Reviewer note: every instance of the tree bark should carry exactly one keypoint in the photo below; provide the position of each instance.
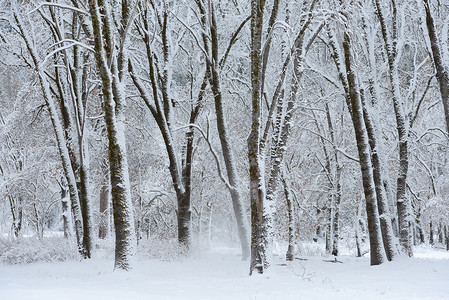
(376, 243)
(382, 202)
(59, 133)
(431, 239)
(441, 69)
(113, 95)
(290, 255)
(336, 184)
(214, 80)
(104, 212)
(390, 45)
(257, 182)
(349, 81)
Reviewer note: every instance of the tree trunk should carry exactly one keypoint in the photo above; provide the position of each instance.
(336, 184)
(376, 243)
(104, 212)
(240, 216)
(392, 206)
(446, 235)
(290, 255)
(336, 220)
(349, 80)
(441, 69)
(401, 126)
(257, 182)
(125, 241)
(65, 212)
(440, 233)
(59, 133)
(431, 240)
(382, 203)
(419, 226)
(358, 239)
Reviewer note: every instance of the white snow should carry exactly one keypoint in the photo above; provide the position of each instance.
(220, 274)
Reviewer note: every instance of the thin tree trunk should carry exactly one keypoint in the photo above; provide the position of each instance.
(104, 212)
(392, 206)
(290, 255)
(237, 203)
(420, 227)
(59, 133)
(65, 212)
(358, 240)
(446, 234)
(349, 80)
(431, 239)
(440, 233)
(337, 185)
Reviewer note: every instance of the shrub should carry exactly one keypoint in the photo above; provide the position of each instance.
(29, 250)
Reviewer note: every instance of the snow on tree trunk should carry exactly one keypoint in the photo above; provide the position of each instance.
(59, 132)
(382, 203)
(392, 206)
(114, 98)
(256, 170)
(349, 80)
(290, 255)
(403, 203)
(237, 204)
(65, 212)
(159, 102)
(376, 244)
(441, 69)
(104, 212)
(337, 184)
(233, 179)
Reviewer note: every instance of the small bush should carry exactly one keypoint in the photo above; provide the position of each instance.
(162, 249)
(29, 250)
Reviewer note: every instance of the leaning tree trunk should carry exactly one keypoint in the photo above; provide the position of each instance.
(233, 179)
(382, 202)
(441, 69)
(349, 81)
(403, 203)
(59, 132)
(374, 230)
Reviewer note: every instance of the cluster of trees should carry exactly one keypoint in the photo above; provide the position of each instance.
(301, 118)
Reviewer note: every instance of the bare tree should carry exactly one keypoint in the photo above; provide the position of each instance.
(391, 49)
(112, 61)
(437, 54)
(353, 100)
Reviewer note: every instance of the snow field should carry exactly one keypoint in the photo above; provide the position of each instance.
(220, 274)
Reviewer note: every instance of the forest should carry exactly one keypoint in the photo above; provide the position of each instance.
(157, 129)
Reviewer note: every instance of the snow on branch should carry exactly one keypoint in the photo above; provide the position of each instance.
(217, 161)
(63, 6)
(72, 43)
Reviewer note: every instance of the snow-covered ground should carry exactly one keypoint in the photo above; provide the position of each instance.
(220, 274)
